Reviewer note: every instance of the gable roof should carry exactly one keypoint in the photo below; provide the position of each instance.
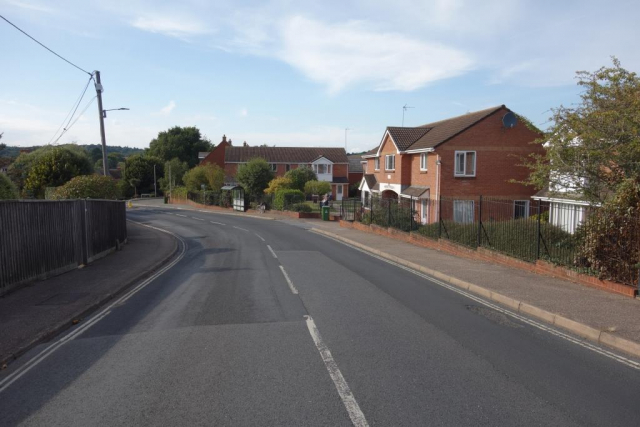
(444, 130)
(285, 154)
(405, 137)
(433, 134)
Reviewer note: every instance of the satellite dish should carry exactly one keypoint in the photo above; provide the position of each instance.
(509, 120)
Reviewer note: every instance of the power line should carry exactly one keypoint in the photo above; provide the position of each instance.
(23, 32)
(77, 118)
(74, 108)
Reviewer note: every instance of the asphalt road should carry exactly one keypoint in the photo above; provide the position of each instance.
(225, 338)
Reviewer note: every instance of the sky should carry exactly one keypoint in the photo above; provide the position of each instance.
(296, 73)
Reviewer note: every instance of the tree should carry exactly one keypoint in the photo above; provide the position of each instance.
(594, 147)
(212, 176)
(183, 143)
(112, 161)
(254, 176)
(54, 168)
(278, 184)
(317, 187)
(140, 167)
(88, 186)
(7, 188)
(300, 176)
(174, 169)
(95, 154)
(20, 168)
(2, 146)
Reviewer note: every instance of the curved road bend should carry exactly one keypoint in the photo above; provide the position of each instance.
(225, 338)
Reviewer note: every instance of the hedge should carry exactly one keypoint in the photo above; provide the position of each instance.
(286, 197)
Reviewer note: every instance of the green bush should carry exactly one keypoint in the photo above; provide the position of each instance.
(225, 199)
(88, 187)
(287, 197)
(300, 207)
(317, 187)
(7, 189)
(179, 192)
(517, 238)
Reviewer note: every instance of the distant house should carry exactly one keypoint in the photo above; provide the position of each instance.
(329, 163)
(462, 158)
(355, 169)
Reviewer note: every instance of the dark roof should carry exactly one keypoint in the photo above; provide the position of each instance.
(340, 180)
(355, 166)
(414, 191)
(548, 194)
(370, 180)
(203, 154)
(285, 154)
(444, 130)
(371, 152)
(405, 137)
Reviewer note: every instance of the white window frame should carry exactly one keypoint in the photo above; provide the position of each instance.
(287, 167)
(376, 163)
(338, 189)
(274, 167)
(526, 208)
(423, 161)
(386, 162)
(462, 215)
(464, 173)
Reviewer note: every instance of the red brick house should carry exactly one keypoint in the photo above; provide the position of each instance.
(462, 158)
(329, 163)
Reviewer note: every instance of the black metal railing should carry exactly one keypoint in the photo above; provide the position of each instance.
(526, 229)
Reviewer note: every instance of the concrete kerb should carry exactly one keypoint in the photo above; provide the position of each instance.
(572, 326)
(62, 326)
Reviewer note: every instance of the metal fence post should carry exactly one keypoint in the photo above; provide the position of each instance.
(480, 222)
(538, 227)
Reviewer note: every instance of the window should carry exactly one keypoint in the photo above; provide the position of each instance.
(366, 198)
(339, 187)
(463, 211)
(274, 167)
(322, 168)
(423, 161)
(465, 163)
(390, 162)
(520, 209)
(376, 163)
(287, 168)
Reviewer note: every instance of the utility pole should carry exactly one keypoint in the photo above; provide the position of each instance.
(169, 179)
(99, 91)
(155, 183)
(345, 138)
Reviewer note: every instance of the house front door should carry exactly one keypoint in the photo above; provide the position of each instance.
(339, 192)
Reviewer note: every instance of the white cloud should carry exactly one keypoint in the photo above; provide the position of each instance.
(244, 112)
(170, 26)
(29, 6)
(166, 110)
(344, 54)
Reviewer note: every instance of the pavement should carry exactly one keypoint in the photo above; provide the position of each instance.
(33, 314)
(597, 315)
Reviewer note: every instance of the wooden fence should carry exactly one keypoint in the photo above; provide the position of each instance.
(41, 238)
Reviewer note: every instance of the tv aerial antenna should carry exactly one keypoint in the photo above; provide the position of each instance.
(404, 109)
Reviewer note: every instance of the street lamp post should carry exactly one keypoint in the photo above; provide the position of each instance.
(104, 112)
